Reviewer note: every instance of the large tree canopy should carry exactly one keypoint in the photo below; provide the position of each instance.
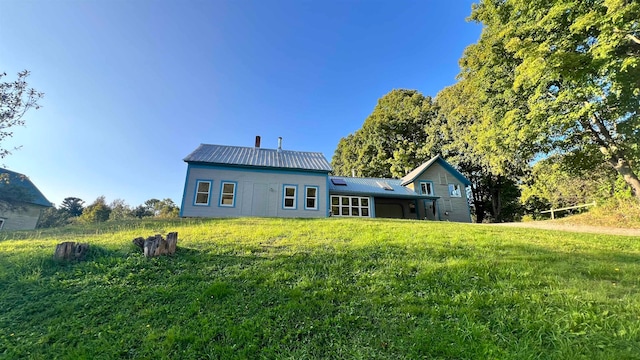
(392, 140)
(558, 75)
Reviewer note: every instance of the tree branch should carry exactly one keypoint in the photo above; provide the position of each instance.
(633, 38)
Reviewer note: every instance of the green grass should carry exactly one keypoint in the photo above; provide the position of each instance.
(328, 288)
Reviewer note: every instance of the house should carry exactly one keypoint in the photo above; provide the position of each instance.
(21, 203)
(233, 181)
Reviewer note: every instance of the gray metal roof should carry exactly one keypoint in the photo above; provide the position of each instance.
(415, 173)
(22, 186)
(371, 187)
(259, 157)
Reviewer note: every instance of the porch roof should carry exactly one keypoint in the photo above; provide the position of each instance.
(376, 187)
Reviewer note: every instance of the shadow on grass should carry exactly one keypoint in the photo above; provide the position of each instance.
(446, 300)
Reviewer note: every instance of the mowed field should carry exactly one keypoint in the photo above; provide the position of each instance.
(327, 288)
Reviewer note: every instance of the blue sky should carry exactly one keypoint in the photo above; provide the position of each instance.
(132, 87)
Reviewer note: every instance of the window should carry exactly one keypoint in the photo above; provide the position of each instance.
(228, 194)
(289, 199)
(384, 185)
(311, 198)
(350, 206)
(1, 223)
(339, 182)
(454, 190)
(426, 188)
(203, 189)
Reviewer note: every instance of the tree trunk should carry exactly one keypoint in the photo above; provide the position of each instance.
(496, 198)
(623, 168)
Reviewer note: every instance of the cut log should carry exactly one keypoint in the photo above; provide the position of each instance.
(172, 242)
(139, 242)
(70, 250)
(157, 245)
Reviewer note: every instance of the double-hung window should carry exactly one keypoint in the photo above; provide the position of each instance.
(454, 190)
(426, 188)
(203, 192)
(311, 198)
(290, 197)
(228, 194)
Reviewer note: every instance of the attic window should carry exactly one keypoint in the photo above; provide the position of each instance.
(339, 182)
(384, 185)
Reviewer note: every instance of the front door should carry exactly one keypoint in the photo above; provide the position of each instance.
(260, 200)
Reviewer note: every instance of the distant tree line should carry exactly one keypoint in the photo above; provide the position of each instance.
(545, 112)
(72, 210)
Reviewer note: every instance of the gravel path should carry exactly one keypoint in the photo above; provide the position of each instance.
(551, 225)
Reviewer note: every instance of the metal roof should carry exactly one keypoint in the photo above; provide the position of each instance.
(32, 195)
(415, 173)
(259, 157)
(373, 187)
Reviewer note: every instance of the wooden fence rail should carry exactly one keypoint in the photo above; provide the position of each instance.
(566, 208)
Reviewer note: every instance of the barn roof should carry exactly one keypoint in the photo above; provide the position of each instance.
(10, 178)
(259, 157)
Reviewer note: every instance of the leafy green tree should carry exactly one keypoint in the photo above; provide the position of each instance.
(141, 211)
(556, 182)
(73, 206)
(167, 209)
(98, 211)
(120, 210)
(557, 76)
(494, 194)
(15, 99)
(392, 140)
(53, 217)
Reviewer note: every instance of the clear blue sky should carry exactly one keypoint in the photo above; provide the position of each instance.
(132, 87)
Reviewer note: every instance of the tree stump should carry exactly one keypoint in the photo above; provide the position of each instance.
(172, 242)
(70, 250)
(157, 245)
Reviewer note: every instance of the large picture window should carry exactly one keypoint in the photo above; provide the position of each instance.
(311, 198)
(203, 192)
(350, 206)
(228, 194)
(290, 196)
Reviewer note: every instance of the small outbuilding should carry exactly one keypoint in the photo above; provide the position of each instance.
(21, 203)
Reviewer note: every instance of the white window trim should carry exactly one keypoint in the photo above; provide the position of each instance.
(433, 193)
(453, 192)
(195, 199)
(360, 206)
(307, 197)
(233, 194)
(294, 197)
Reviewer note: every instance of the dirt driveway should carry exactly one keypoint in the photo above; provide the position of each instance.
(551, 225)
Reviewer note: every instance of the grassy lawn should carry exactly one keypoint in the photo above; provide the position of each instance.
(328, 288)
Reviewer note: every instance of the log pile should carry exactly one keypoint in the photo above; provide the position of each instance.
(70, 250)
(157, 245)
